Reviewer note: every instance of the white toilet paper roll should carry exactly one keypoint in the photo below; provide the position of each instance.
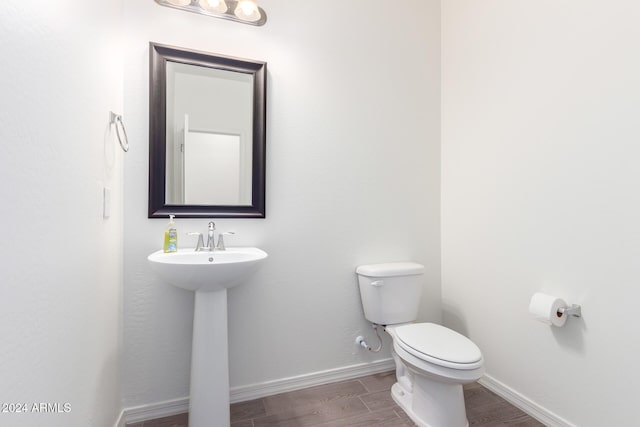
(545, 309)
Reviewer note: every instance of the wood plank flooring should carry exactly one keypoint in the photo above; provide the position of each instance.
(361, 402)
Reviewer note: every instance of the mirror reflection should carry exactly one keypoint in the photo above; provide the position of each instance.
(207, 135)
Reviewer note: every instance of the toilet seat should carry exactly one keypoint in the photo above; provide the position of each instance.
(438, 345)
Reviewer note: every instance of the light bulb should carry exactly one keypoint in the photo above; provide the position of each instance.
(218, 6)
(179, 2)
(247, 10)
(247, 7)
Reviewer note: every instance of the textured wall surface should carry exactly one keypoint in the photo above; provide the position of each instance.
(61, 262)
(540, 177)
(539, 149)
(352, 178)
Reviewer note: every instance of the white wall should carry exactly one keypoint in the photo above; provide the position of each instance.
(539, 193)
(352, 178)
(61, 287)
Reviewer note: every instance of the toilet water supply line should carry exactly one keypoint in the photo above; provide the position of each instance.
(362, 343)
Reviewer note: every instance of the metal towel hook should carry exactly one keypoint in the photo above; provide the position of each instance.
(116, 119)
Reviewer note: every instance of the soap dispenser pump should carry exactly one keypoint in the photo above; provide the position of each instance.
(171, 236)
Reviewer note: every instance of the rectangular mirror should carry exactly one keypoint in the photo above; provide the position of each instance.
(207, 135)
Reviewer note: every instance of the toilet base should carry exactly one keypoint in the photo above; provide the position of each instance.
(431, 395)
(441, 406)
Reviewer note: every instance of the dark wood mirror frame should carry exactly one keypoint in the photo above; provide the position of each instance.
(158, 208)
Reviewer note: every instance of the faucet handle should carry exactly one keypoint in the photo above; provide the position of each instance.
(220, 246)
(200, 243)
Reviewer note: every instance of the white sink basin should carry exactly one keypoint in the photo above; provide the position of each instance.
(206, 271)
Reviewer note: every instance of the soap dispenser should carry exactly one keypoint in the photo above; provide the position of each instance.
(171, 236)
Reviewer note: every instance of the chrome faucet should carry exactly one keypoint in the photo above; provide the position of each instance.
(211, 244)
(210, 239)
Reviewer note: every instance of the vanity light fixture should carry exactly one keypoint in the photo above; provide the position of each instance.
(244, 11)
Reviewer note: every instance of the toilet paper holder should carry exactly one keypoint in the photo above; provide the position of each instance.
(574, 310)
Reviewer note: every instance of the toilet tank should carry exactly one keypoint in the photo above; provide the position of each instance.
(390, 292)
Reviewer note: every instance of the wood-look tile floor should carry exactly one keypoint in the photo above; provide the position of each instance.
(361, 402)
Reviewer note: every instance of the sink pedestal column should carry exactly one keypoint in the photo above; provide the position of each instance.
(209, 400)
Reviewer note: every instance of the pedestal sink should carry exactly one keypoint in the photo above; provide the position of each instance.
(209, 274)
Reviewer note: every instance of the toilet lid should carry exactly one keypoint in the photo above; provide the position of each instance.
(439, 343)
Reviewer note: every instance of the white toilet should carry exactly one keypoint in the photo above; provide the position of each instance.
(432, 362)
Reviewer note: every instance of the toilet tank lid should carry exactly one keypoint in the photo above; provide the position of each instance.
(391, 269)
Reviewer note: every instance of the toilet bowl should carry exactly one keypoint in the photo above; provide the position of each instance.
(432, 361)
(432, 364)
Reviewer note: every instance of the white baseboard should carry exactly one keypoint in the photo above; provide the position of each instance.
(255, 391)
(152, 411)
(543, 415)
